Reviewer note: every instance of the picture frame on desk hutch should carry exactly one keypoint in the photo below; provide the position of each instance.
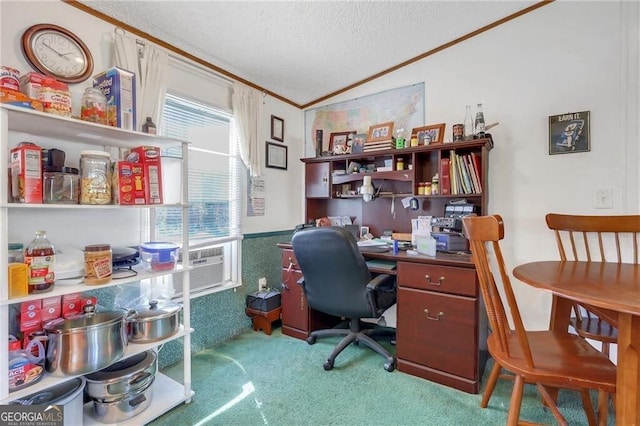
(339, 142)
(380, 132)
(429, 135)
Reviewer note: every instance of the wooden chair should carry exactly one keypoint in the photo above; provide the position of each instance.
(549, 359)
(596, 238)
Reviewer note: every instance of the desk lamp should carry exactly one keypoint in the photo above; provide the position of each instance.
(367, 189)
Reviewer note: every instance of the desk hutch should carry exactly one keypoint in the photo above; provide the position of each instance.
(441, 320)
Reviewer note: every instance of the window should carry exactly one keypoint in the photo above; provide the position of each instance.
(215, 201)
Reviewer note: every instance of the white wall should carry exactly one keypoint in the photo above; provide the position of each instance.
(567, 56)
(17, 16)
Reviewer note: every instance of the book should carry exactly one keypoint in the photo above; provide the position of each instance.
(475, 160)
(445, 180)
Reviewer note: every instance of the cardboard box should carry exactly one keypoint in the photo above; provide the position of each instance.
(149, 157)
(71, 304)
(128, 183)
(30, 84)
(26, 173)
(51, 308)
(30, 320)
(15, 98)
(30, 306)
(119, 86)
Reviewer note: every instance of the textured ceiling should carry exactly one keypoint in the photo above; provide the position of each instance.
(305, 50)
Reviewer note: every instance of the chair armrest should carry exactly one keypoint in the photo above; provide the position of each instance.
(379, 281)
(381, 293)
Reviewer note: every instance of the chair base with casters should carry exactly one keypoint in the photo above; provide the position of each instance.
(354, 334)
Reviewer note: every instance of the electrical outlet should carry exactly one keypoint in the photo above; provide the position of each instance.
(603, 198)
(262, 284)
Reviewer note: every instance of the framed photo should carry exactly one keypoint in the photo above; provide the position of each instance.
(357, 144)
(276, 156)
(428, 135)
(380, 132)
(277, 128)
(364, 230)
(569, 133)
(339, 143)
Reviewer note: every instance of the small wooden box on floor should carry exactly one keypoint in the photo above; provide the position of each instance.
(263, 320)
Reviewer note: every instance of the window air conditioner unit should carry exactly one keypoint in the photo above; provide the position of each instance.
(207, 272)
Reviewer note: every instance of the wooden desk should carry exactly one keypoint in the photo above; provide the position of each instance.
(610, 286)
(441, 328)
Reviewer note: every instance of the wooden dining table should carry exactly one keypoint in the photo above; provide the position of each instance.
(612, 287)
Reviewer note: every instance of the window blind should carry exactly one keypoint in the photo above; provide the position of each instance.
(215, 171)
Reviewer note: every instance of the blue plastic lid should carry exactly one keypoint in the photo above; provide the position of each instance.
(164, 249)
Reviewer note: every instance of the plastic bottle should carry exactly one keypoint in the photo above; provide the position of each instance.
(468, 124)
(479, 122)
(435, 188)
(25, 368)
(149, 127)
(94, 106)
(40, 255)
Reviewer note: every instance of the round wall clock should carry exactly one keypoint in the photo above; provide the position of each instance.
(57, 52)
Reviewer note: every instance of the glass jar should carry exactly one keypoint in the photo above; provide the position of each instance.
(16, 252)
(427, 188)
(399, 164)
(40, 255)
(420, 188)
(97, 264)
(435, 187)
(94, 106)
(61, 187)
(95, 171)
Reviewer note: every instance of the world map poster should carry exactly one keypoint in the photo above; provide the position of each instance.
(404, 106)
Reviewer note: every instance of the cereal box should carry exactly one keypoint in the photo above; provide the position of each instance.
(149, 157)
(13, 97)
(128, 183)
(30, 84)
(9, 78)
(26, 173)
(119, 87)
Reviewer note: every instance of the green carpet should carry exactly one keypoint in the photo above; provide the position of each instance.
(255, 379)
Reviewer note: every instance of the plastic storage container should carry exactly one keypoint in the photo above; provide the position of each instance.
(61, 187)
(159, 256)
(16, 252)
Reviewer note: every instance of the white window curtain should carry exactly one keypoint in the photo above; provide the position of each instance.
(247, 112)
(149, 63)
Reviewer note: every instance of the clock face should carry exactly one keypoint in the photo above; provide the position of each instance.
(57, 52)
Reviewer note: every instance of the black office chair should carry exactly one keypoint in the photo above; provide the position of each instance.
(336, 281)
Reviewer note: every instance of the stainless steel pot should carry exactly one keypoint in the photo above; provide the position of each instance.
(124, 408)
(68, 394)
(123, 377)
(155, 322)
(85, 343)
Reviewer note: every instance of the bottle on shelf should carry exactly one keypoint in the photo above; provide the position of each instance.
(149, 127)
(468, 124)
(40, 255)
(479, 122)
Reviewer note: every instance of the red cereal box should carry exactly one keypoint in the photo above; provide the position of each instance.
(9, 78)
(26, 173)
(30, 319)
(128, 183)
(149, 157)
(119, 87)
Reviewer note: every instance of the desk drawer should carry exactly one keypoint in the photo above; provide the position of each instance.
(445, 279)
(289, 258)
(438, 331)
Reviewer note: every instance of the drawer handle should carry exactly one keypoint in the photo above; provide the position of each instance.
(325, 179)
(436, 318)
(428, 278)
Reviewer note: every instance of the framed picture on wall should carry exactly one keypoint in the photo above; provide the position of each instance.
(569, 133)
(276, 156)
(277, 128)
